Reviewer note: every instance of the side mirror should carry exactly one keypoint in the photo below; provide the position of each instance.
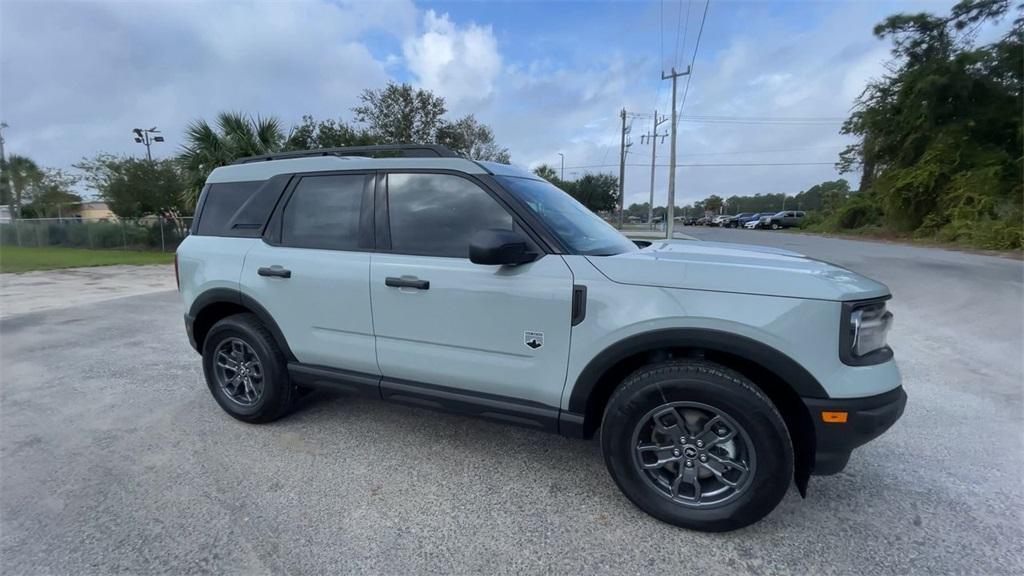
(501, 247)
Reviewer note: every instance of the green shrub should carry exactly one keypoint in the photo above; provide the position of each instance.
(857, 214)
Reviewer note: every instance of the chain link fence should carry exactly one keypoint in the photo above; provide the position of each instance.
(147, 233)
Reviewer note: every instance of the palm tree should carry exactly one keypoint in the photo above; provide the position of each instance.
(22, 173)
(236, 136)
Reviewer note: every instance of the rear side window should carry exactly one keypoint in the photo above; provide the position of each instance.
(222, 201)
(323, 212)
(436, 214)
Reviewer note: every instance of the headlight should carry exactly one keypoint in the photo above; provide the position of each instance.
(864, 330)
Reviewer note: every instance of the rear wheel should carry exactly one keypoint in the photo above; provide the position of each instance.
(697, 445)
(246, 371)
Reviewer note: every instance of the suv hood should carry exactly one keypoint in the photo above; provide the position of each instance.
(742, 268)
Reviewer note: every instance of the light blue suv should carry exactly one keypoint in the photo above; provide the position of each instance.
(716, 374)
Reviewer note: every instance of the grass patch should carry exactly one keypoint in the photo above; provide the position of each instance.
(15, 259)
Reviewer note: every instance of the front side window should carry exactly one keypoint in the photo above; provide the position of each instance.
(576, 226)
(323, 212)
(436, 214)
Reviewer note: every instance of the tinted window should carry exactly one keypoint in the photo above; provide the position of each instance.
(323, 212)
(577, 227)
(435, 214)
(221, 202)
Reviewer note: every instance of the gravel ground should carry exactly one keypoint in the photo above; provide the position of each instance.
(49, 289)
(114, 459)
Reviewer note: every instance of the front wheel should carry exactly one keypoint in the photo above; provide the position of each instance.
(697, 445)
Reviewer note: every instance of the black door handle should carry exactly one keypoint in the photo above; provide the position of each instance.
(274, 271)
(407, 283)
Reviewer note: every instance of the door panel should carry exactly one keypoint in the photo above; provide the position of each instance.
(310, 272)
(469, 329)
(323, 308)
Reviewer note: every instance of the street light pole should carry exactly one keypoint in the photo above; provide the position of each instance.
(143, 137)
(561, 175)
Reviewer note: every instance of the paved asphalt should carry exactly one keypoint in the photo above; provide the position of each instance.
(114, 459)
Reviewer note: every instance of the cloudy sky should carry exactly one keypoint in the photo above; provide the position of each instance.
(771, 81)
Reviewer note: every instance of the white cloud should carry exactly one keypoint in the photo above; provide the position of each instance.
(460, 64)
(75, 77)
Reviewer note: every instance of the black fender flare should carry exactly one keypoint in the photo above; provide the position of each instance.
(216, 296)
(782, 366)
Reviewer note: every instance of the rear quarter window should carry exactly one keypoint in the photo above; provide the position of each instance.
(220, 203)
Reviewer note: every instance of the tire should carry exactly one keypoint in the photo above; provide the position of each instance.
(775, 226)
(275, 390)
(755, 438)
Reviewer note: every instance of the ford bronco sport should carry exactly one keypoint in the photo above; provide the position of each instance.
(716, 374)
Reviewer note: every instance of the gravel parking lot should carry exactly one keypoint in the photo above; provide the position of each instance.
(114, 459)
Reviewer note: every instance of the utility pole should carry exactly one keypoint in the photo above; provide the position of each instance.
(670, 210)
(4, 181)
(654, 154)
(622, 167)
(561, 175)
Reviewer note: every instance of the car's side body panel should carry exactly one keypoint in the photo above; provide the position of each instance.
(473, 328)
(323, 308)
(805, 331)
(208, 263)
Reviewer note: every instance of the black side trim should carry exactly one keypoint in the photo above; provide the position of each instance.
(579, 303)
(784, 367)
(490, 406)
(334, 379)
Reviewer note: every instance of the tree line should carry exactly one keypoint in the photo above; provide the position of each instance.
(134, 187)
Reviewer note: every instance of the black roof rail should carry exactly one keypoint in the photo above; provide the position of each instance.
(405, 150)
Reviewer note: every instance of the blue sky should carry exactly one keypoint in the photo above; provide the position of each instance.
(549, 77)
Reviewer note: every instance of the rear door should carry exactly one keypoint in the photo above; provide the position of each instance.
(442, 321)
(311, 270)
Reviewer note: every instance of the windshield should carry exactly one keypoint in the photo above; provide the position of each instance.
(577, 227)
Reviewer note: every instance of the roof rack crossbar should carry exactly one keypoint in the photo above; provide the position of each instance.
(406, 150)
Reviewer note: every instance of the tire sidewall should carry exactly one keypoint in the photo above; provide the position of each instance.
(767, 432)
(275, 379)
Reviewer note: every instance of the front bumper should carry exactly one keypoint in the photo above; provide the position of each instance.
(865, 419)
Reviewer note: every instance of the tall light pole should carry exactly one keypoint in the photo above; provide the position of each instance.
(562, 173)
(143, 137)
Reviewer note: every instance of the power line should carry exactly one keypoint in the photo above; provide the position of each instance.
(700, 32)
(712, 165)
(759, 151)
(779, 121)
(686, 28)
(729, 117)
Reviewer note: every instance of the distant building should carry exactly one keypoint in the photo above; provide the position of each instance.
(95, 211)
(5, 214)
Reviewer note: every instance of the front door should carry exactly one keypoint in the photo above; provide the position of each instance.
(443, 321)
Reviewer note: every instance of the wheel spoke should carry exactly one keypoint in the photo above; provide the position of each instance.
(723, 468)
(225, 361)
(674, 429)
(663, 454)
(715, 432)
(687, 475)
